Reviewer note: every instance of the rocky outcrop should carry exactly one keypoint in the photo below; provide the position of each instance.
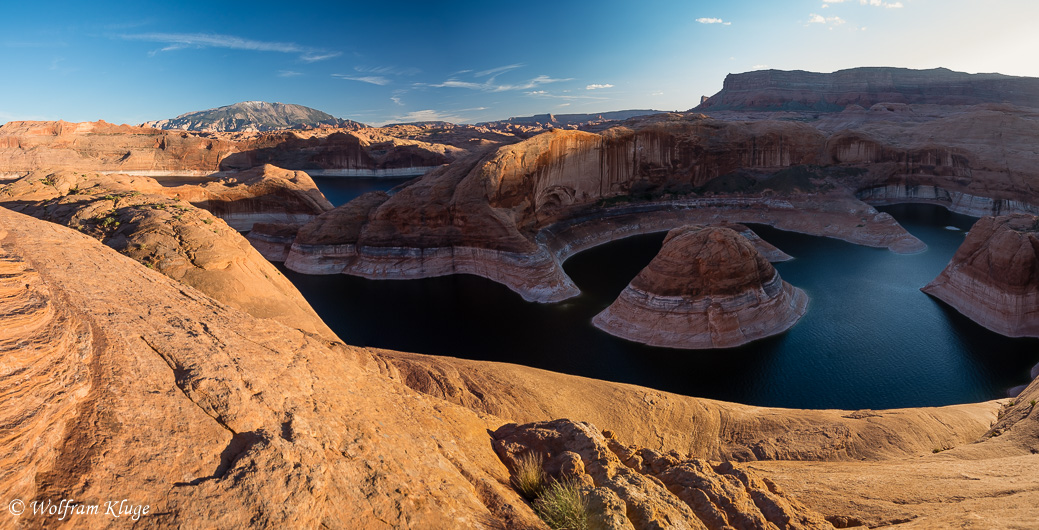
(707, 288)
(993, 278)
(253, 116)
(637, 488)
(799, 90)
(137, 217)
(265, 194)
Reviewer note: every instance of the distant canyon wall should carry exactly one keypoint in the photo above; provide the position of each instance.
(801, 90)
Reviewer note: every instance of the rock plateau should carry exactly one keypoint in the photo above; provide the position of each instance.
(706, 288)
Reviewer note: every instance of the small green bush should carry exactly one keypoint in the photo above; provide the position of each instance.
(563, 506)
(530, 477)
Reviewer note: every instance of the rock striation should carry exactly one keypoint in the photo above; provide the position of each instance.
(706, 288)
(993, 278)
(799, 90)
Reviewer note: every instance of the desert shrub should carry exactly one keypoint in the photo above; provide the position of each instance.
(530, 477)
(563, 506)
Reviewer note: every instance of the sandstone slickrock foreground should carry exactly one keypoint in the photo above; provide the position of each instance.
(121, 383)
(159, 228)
(993, 278)
(708, 287)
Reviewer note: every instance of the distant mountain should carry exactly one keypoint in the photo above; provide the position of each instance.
(253, 116)
(564, 120)
(799, 90)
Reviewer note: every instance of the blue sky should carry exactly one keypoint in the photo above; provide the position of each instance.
(379, 62)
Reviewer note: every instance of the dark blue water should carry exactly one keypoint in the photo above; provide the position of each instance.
(870, 338)
(341, 190)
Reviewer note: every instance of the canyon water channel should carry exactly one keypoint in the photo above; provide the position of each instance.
(870, 338)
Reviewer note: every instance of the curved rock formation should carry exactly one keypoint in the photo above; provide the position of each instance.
(514, 215)
(706, 288)
(993, 278)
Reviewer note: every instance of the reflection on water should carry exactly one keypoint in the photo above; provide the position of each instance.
(870, 338)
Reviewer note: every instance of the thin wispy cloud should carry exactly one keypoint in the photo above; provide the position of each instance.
(598, 86)
(491, 86)
(288, 73)
(318, 56)
(759, 67)
(712, 20)
(496, 71)
(179, 41)
(370, 79)
(388, 70)
(396, 99)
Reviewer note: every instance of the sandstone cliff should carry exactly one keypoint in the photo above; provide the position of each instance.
(800, 90)
(706, 288)
(515, 214)
(994, 277)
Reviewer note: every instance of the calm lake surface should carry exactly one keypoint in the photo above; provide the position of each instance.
(870, 338)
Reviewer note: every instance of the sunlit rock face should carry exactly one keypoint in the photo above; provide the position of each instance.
(994, 277)
(707, 288)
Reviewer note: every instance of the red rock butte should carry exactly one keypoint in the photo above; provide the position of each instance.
(994, 277)
(707, 288)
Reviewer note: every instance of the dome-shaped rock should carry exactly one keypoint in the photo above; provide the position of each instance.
(707, 288)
